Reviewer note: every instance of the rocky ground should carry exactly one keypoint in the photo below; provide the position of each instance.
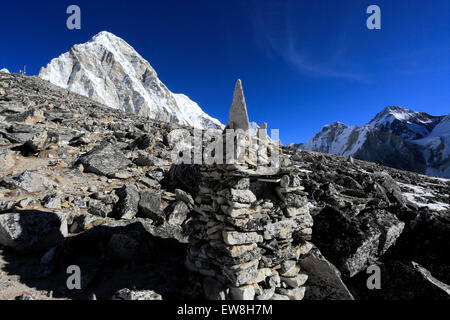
(83, 184)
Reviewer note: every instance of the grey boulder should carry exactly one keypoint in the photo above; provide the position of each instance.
(324, 281)
(150, 206)
(104, 160)
(127, 294)
(30, 181)
(127, 206)
(353, 243)
(32, 230)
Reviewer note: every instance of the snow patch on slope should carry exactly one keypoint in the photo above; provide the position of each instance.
(422, 197)
(194, 115)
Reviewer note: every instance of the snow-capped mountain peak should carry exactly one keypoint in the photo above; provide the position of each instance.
(404, 122)
(392, 113)
(396, 137)
(337, 138)
(107, 69)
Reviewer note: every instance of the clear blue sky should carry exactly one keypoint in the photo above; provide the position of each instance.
(303, 64)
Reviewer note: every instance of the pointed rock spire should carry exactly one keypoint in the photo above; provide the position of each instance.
(238, 118)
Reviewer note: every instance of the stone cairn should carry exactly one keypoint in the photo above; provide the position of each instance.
(251, 223)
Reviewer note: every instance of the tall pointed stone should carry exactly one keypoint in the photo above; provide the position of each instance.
(238, 118)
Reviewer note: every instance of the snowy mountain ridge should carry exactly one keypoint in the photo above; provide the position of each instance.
(108, 70)
(396, 137)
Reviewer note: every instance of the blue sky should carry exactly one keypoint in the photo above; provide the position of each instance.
(303, 64)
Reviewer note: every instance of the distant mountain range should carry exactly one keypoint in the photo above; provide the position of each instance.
(108, 70)
(396, 137)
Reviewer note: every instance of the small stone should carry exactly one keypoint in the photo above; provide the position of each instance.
(236, 238)
(150, 206)
(127, 294)
(97, 208)
(37, 142)
(274, 281)
(284, 182)
(236, 251)
(127, 206)
(104, 160)
(243, 293)
(288, 265)
(241, 184)
(292, 272)
(241, 273)
(145, 159)
(260, 276)
(24, 203)
(241, 196)
(122, 175)
(156, 174)
(277, 296)
(6, 206)
(293, 294)
(80, 202)
(292, 212)
(150, 183)
(296, 281)
(184, 196)
(52, 201)
(6, 160)
(84, 222)
(304, 248)
(266, 294)
(179, 214)
(24, 296)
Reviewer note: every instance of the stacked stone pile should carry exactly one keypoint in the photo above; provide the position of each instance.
(247, 245)
(250, 228)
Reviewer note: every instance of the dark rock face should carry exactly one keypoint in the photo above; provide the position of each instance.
(324, 282)
(183, 176)
(104, 160)
(123, 247)
(403, 281)
(426, 240)
(392, 151)
(354, 242)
